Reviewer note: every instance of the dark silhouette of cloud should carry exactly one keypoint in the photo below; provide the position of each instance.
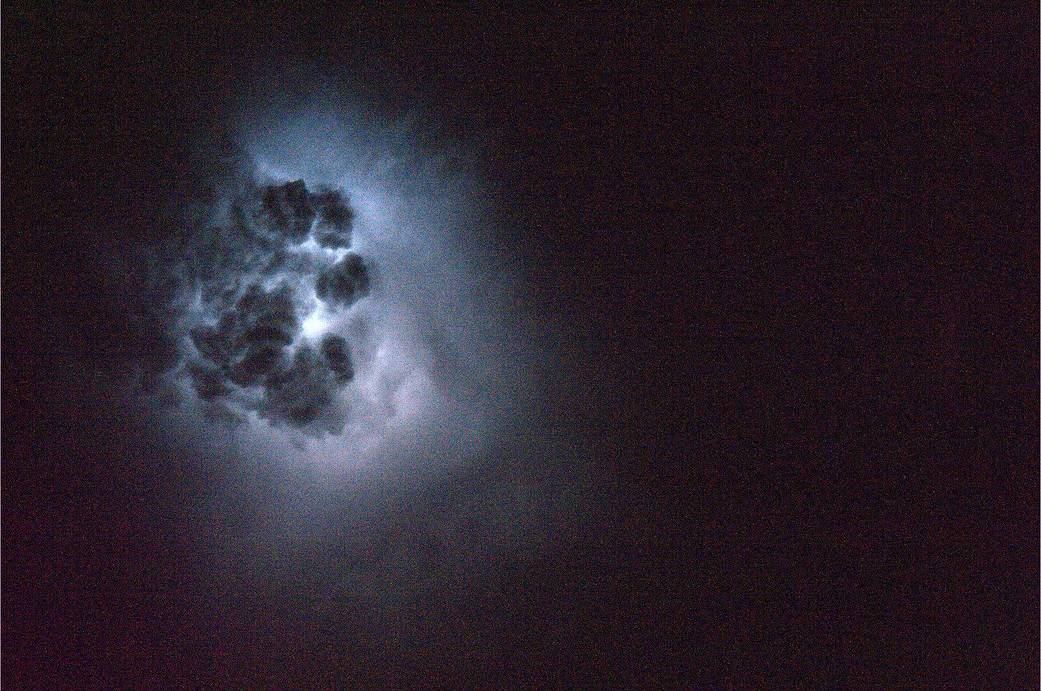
(288, 209)
(246, 286)
(345, 282)
(337, 357)
(335, 220)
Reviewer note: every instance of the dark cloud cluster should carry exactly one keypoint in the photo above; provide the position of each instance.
(249, 342)
(345, 282)
(335, 219)
(288, 209)
(302, 393)
(289, 212)
(338, 357)
(254, 281)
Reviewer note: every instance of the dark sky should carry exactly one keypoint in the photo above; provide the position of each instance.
(780, 272)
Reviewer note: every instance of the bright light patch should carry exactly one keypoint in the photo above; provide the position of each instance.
(315, 324)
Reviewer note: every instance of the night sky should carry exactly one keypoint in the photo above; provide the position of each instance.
(614, 347)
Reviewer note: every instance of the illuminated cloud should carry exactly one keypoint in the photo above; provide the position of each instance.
(268, 276)
(333, 304)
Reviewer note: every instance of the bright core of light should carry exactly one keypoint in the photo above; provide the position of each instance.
(315, 324)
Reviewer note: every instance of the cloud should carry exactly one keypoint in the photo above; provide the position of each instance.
(345, 282)
(374, 406)
(303, 395)
(288, 210)
(391, 331)
(335, 219)
(337, 357)
(261, 256)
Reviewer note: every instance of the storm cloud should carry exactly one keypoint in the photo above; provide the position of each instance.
(345, 282)
(372, 386)
(262, 258)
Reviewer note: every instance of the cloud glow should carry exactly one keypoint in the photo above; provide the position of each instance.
(427, 343)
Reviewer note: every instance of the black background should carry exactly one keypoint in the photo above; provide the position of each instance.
(807, 243)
